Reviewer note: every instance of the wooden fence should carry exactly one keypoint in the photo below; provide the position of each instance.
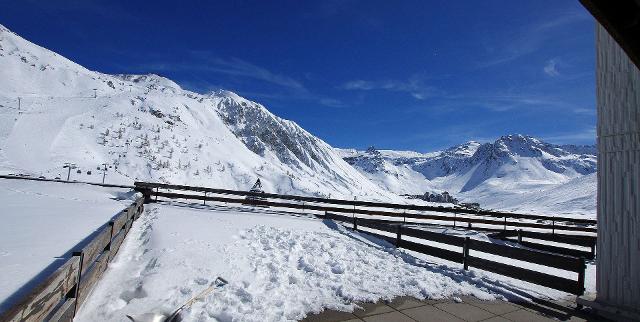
(562, 262)
(578, 222)
(62, 293)
(568, 231)
(399, 226)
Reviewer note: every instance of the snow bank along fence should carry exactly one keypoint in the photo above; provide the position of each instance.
(62, 293)
(576, 265)
(570, 236)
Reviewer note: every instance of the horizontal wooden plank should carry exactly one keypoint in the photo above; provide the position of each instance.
(65, 312)
(119, 221)
(558, 250)
(148, 185)
(577, 240)
(45, 297)
(391, 240)
(558, 261)
(95, 247)
(376, 225)
(91, 277)
(432, 251)
(109, 185)
(551, 281)
(433, 236)
(336, 217)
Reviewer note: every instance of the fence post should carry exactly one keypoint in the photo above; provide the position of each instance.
(157, 194)
(77, 287)
(469, 225)
(505, 223)
(454, 219)
(204, 201)
(398, 235)
(581, 275)
(465, 253)
(519, 236)
(355, 223)
(553, 227)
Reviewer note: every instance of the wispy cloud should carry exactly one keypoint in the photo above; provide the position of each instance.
(529, 39)
(232, 66)
(413, 86)
(584, 136)
(550, 68)
(236, 67)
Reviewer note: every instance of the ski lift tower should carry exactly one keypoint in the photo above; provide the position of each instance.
(69, 166)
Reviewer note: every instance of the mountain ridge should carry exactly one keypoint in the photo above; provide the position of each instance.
(512, 167)
(146, 127)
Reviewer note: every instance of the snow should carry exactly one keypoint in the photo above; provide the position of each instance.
(280, 267)
(42, 223)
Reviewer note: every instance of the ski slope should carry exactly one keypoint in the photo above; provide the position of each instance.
(146, 127)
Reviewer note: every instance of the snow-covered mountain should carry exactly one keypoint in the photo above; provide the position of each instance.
(146, 127)
(508, 174)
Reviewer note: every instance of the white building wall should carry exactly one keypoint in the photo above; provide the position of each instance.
(618, 105)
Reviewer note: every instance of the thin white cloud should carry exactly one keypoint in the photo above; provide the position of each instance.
(204, 62)
(530, 38)
(413, 86)
(584, 136)
(551, 68)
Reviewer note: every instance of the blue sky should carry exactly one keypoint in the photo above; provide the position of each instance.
(417, 75)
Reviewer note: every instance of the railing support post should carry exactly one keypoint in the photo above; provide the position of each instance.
(519, 236)
(204, 201)
(454, 219)
(505, 223)
(581, 276)
(77, 287)
(465, 254)
(398, 235)
(355, 223)
(553, 227)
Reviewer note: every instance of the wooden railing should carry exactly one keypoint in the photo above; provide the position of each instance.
(62, 293)
(579, 222)
(463, 256)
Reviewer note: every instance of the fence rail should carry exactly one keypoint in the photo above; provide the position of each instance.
(562, 262)
(61, 294)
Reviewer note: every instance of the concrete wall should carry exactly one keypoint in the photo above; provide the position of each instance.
(618, 105)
